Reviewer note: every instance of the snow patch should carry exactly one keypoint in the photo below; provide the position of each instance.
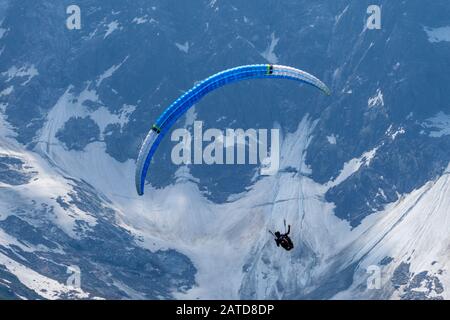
(8, 241)
(332, 139)
(111, 27)
(183, 47)
(191, 116)
(408, 230)
(381, 193)
(353, 166)
(3, 32)
(103, 117)
(440, 125)
(7, 91)
(436, 35)
(144, 19)
(140, 20)
(338, 17)
(25, 71)
(69, 106)
(43, 190)
(45, 287)
(108, 73)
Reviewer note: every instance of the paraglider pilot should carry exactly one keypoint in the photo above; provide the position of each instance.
(283, 240)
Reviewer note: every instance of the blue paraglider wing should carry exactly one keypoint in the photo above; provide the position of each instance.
(188, 99)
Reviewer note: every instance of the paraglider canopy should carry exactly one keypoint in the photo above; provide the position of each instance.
(188, 99)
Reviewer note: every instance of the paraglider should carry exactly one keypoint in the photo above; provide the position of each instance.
(283, 240)
(188, 99)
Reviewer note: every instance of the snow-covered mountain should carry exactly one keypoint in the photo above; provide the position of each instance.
(364, 177)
